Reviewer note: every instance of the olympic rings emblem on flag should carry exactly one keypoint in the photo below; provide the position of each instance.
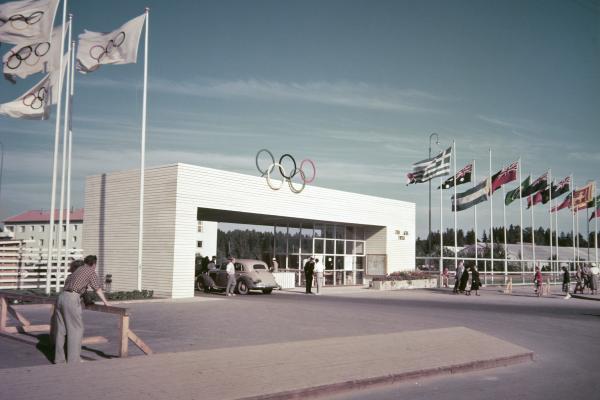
(296, 171)
(21, 22)
(35, 100)
(33, 53)
(97, 52)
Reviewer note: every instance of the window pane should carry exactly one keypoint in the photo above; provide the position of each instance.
(294, 240)
(359, 277)
(349, 232)
(280, 240)
(294, 262)
(339, 247)
(307, 239)
(349, 247)
(340, 231)
(318, 246)
(360, 263)
(360, 248)
(360, 233)
(339, 262)
(329, 231)
(319, 231)
(328, 262)
(329, 246)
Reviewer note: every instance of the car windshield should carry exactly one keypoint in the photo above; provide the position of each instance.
(259, 266)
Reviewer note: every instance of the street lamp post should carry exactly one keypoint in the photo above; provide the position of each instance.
(437, 141)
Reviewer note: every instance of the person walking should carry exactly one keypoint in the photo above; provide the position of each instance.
(537, 281)
(595, 271)
(464, 280)
(309, 269)
(459, 270)
(230, 269)
(68, 315)
(319, 271)
(275, 265)
(579, 282)
(566, 283)
(445, 277)
(475, 282)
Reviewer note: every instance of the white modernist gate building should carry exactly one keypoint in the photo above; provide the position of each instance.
(177, 196)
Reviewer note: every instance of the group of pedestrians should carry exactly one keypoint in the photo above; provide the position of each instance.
(461, 280)
(313, 270)
(586, 277)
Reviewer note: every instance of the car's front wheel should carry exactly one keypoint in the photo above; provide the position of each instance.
(242, 287)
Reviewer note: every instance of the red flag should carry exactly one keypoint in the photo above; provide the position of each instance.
(504, 176)
(595, 214)
(582, 196)
(566, 203)
(535, 199)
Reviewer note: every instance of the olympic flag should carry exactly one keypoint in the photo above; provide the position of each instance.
(27, 20)
(36, 102)
(33, 57)
(117, 47)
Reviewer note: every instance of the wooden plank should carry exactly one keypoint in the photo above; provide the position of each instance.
(27, 329)
(21, 338)
(124, 330)
(139, 342)
(94, 340)
(18, 316)
(108, 309)
(27, 297)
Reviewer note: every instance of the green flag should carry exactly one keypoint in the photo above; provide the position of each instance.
(515, 194)
(592, 203)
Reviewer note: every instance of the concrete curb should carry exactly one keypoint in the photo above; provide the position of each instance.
(336, 388)
(585, 297)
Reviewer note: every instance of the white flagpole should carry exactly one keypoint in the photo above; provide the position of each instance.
(143, 155)
(474, 180)
(573, 222)
(455, 210)
(63, 170)
(532, 230)
(491, 217)
(550, 206)
(556, 237)
(441, 225)
(596, 223)
(69, 154)
(577, 233)
(505, 241)
(56, 143)
(521, 215)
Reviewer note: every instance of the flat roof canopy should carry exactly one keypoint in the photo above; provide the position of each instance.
(236, 217)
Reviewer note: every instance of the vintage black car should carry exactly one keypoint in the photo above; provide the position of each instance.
(249, 274)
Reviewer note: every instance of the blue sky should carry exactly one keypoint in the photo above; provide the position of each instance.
(357, 86)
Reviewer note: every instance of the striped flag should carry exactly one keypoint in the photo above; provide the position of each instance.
(504, 176)
(430, 168)
(473, 196)
(565, 203)
(462, 176)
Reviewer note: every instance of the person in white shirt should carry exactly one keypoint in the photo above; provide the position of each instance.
(230, 277)
(319, 270)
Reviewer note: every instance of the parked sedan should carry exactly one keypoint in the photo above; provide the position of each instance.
(249, 274)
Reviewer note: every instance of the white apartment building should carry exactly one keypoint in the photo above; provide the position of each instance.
(33, 226)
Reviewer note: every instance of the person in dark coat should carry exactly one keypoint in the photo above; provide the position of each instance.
(464, 279)
(309, 270)
(566, 283)
(475, 282)
(457, 275)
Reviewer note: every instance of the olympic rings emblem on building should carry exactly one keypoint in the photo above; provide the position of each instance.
(296, 171)
(21, 22)
(30, 55)
(36, 99)
(97, 52)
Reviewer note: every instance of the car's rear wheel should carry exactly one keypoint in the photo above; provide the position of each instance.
(267, 291)
(199, 284)
(242, 287)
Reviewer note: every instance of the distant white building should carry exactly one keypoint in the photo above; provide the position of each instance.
(206, 238)
(33, 226)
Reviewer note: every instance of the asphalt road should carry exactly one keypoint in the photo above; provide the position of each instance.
(564, 334)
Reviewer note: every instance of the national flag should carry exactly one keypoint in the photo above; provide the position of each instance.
(537, 185)
(505, 175)
(33, 57)
(462, 176)
(564, 186)
(473, 196)
(36, 102)
(117, 47)
(543, 196)
(581, 197)
(565, 203)
(516, 193)
(430, 168)
(595, 214)
(27, 20)
(593, 202)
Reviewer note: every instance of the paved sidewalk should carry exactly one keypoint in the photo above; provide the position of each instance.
(272, 371)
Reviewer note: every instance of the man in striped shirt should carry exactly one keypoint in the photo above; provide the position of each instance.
(68, 317)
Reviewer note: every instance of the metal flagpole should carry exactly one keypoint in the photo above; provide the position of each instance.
(587, 222)
(550, 205)
(505, 241)
(532, 230)
(143, 155)
(441, 225)
(56, 143)
(556, 237)
(69, 122)
(596, 224)
(63, 170)
(573, 222)
(474, 179)
(455, 210)
(491, 218)
(521, 215)
(577, 234)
